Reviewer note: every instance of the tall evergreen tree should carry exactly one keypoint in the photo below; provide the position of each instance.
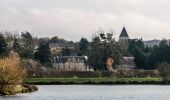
(28, 45)
(150, 57)
(43, 53)
(135, 43)
(83, 47)
(3, 46)
(66, 52)
(26, 35)
(140, 58)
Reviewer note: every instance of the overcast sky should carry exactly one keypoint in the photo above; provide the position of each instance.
(73, 19)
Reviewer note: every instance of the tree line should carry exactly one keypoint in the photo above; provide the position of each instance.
(149, 57)
(102, 47)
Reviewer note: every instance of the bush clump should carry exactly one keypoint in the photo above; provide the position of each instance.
(29, 88)
(11, 74)
(130, 73)
(119, 73)
(164, 70)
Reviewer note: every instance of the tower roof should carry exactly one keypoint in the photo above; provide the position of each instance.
(124, 33)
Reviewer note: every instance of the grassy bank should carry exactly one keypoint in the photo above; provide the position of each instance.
(47, 81)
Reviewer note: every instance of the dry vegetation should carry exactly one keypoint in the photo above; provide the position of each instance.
(12, 74)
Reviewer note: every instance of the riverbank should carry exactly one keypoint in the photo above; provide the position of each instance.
(57, 81)
(14, 89)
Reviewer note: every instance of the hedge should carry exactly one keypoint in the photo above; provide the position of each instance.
(93, 74)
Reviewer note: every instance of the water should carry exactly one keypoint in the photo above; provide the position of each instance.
(96, 92)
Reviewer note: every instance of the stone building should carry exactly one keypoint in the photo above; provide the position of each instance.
(126, 60)
(124, 41)
(71, 63)
(127, 63)
(56, 48)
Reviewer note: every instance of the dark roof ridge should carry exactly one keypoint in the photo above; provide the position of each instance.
(124, 33)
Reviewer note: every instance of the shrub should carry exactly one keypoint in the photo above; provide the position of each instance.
(120, 73)
(164, 70)
(29, 88)
(129, 73)
(11, 74)
(63, 74)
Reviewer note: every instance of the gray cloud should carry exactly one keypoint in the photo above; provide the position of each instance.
(73, 19)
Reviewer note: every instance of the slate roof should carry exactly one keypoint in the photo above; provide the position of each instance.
(124, 33)
(128, 61)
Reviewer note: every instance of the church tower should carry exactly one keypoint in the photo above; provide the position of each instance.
(124, 40)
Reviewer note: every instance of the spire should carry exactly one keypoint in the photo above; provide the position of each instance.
(124, 33)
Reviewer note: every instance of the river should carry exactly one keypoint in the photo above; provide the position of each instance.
(95, 92)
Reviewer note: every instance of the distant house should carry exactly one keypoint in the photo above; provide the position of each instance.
(151, 43)
(62, 45)
(127, 62)
(56, 48)
(71, 63)
(154, 42)
(67, 63)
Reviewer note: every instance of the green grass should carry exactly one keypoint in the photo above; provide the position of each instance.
(93, 81)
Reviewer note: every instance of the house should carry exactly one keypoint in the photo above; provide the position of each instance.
(67, 63)
(71, 63)
(127, 63)
(151, 43)
(56, 48)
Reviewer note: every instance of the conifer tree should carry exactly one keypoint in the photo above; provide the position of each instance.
(43, 53)
(3, 46)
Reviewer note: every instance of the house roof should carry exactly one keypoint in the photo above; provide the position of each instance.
(124, 33)
(61, 45)
(128, 61)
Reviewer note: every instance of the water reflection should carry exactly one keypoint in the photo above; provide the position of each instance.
(96, 92)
